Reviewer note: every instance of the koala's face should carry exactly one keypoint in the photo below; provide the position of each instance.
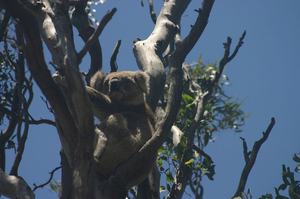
(126, 86)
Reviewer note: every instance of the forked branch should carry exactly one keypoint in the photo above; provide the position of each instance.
(251, 160)
(96, 34)
(48, 181)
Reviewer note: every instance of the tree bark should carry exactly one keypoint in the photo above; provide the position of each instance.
(15, 187)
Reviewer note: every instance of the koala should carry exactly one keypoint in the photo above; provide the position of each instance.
(126, 121)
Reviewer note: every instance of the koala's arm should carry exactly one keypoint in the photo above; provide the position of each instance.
(101, 104)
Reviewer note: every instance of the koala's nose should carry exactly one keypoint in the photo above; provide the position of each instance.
(114, 84)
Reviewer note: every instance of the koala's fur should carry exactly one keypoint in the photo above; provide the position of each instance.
(127, 122)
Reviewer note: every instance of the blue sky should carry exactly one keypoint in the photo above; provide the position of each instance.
(265, 71)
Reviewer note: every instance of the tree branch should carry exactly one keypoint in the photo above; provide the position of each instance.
(81, 21)
(197, 29)
(36, 64)
(15, 187)
(113, 59)
(21, 141)
(164, 24)
(14, 115)
(148, 53)
(96, 34)
(48, 181)
(251, 160)
(152, 12)
(226, 59)
(201, 152)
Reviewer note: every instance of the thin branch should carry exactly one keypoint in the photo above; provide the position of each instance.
(113, 59)
(96, 34)
(81, 21)
(252, 158)
(51, 176)
(201, 152)
(21, 140)
(245, 151)
(152, 12)
(238, 46)
(47, 105)
(18, 117)
(226, 59)
(197, 29)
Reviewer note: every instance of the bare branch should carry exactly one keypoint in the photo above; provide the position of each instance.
(81, 21)
(238, 46)
(21, 140)
(148, 53)
(226, 59)
(245, 151)
(251, 160)
(188, 43)
(152, 12)
(113, 59)
(18, 117)
(48, 181)
(96, 34)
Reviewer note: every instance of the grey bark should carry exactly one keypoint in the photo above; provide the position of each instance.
(14, 187)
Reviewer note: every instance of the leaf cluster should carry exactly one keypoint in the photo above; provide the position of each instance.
(221, 113)
(288, 182)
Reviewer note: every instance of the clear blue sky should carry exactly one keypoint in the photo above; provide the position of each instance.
(265, 71)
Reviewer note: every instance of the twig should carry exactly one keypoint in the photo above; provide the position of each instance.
(48, 107)
(51, 176)
(226, 59)
(14, 115)
(96, 34)
(113, 59)
(246, 153)
(252, 158)
(238, 46)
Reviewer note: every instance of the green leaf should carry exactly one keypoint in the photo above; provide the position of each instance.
(296, 158)
(206, 138)
(190, 161)
(169, 177)
(282, 187)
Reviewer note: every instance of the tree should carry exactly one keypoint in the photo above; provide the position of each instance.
(197, 91)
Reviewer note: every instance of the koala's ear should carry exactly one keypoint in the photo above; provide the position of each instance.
(142, 79)
(97, 80)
